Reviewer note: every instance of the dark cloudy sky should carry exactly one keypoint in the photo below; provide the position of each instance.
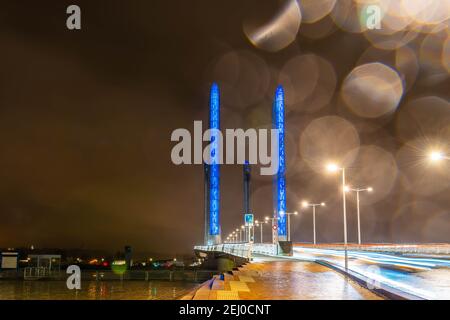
(86, 118)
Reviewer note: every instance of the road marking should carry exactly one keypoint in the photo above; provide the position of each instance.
(239, 286)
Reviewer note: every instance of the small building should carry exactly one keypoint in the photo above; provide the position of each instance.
(42, 266)
(9, 260)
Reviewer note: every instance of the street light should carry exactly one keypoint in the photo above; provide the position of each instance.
(437, 155)
(333, 167)
(289, 222)
(240, 233)
(305, 204)
(260, 224)
(358, 190)
(273, 219)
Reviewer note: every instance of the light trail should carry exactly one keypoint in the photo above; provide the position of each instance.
(428, 278)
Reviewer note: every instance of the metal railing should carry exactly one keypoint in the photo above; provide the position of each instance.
(39, 273)
(243, 250)
(426, 249)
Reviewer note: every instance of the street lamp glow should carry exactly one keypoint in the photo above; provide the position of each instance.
(305, 204)
(346, 188)
(332, 167)
(323, 204)
(436, 156)
(370, 189)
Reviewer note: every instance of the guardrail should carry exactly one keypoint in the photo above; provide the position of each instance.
(429, 249)
(243, 250)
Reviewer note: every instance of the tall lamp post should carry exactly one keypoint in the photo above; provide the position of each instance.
(288, 214)
(273, 219)
(358, 190)
(260, 225)
(332, 167)
(305, 204)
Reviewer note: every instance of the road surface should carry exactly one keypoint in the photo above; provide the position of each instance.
(426, 277)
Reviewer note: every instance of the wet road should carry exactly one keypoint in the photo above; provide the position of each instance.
(297, 280)
(428, 278)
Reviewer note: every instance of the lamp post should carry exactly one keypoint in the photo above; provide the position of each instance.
(334, 168)
(260, 224)
(288, 214)
(305, 204)
(358, 190)
(273, 219)
(242, 229)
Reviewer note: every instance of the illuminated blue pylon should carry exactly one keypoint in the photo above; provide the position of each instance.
(279, 186)
(214, 166)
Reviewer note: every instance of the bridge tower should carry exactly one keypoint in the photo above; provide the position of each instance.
(212, 171)
(249, 231)
(279, 182)
(247, 178)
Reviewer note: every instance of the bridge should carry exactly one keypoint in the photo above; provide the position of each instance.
(362, 271)
(412, 272)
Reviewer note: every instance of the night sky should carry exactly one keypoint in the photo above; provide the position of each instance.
(86, 118)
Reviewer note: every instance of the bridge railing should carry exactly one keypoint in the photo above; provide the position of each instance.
(244, 250)
(264, 248)
(437, 249)
(239, 249)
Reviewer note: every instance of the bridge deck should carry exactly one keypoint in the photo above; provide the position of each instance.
(281, 279)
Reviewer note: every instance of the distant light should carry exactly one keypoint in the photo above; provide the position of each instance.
(346, 188)
(436, 156)
(296, 212)
(266, 218)
(370, 189)
(119, 262)
(323, 204)
(332, 167)
(305, 204)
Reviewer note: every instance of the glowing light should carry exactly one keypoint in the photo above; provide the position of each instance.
(323, 204)
(347, 189)
(370, 189)
(279, 32)
(436, 156)
(214, 172)
(332, 167)
(305, 204)
(372, 90)
(280, 181)
(314, 10)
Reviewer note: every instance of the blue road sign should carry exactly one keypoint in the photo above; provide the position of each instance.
(248, 219)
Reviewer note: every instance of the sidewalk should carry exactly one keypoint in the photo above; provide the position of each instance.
(282, 280)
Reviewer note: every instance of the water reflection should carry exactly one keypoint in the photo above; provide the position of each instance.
(94, 290)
